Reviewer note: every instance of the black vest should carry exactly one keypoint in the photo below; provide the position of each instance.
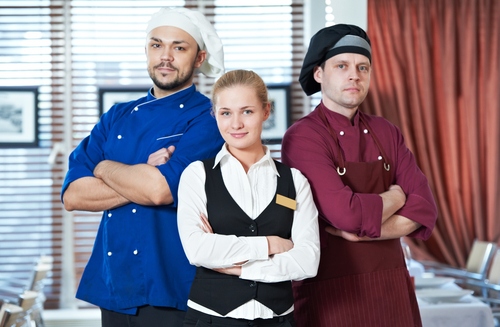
(223, 293)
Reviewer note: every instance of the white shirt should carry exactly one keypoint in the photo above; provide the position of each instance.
(252, 191)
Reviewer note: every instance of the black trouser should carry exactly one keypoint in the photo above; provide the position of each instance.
(198, 319)
(146, 316)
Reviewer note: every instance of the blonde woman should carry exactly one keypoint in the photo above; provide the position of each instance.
(247, 222)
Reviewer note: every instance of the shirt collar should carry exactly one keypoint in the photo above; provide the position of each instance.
(224, 154)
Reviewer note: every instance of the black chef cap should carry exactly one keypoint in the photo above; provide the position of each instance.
(328, 42)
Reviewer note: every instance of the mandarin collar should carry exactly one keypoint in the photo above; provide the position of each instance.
(182, 95)
(339, 119)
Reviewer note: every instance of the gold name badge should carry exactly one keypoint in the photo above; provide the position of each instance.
(286, 202)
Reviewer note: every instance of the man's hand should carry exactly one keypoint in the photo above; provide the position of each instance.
(141, 183)
(345, 235)
(392, 200)
(396, 189)
(161, 156)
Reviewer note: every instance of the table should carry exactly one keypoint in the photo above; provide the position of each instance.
(468, 312)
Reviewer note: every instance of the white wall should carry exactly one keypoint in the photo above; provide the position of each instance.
(344, 11)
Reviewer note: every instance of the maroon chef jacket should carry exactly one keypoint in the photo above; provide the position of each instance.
(358, 283)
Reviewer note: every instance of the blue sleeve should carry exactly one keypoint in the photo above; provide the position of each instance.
(201, 140)
(87, 154)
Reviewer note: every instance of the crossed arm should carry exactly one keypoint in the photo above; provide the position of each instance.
(115, 184)
(260, 258)
(393, 226)
(275, 245)
(363, 216)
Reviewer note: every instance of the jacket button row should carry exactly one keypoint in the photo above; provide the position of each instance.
(111, 253)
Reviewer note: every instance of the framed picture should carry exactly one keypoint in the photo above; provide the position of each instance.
(111, 96)
(277, 123)
(18, 117)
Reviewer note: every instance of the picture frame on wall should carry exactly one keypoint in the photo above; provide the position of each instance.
(276, 125)
(111, 96)
(19, 117)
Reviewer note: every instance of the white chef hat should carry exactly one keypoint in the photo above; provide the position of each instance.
(196, 25)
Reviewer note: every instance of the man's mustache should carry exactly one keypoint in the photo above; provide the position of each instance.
(165, 64)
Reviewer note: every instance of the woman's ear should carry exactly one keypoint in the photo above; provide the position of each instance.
(267, 111)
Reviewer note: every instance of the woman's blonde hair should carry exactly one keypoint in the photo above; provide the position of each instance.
(244, 78)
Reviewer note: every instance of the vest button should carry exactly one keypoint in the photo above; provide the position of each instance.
(252, 228)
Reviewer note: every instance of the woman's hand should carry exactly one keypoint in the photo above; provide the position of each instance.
(205, 225)
(277, 245)
(235, 270)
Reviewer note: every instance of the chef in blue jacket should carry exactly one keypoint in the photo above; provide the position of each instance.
(129, 167)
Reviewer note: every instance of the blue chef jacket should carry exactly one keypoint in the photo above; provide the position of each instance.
(138, 257)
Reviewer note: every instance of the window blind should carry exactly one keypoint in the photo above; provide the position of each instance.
(31, 50)
(73, 51)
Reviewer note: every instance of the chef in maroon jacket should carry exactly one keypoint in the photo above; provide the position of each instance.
(368, 189)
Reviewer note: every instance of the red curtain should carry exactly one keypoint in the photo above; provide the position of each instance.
(436, 75)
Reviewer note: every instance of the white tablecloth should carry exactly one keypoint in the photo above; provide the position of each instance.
(415, 268)
(469, 312)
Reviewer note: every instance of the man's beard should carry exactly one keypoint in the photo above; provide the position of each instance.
(180, 80)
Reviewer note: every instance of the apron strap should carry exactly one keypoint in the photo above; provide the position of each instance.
(387, 165)
(341, 160)
(341, 169)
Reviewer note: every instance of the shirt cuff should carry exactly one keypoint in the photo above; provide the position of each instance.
(260, 248)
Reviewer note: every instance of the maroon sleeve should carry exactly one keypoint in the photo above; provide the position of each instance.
(420, 205)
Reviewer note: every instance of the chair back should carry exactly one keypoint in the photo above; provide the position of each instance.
(10, 315)
(480, 257)
(494, 272)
